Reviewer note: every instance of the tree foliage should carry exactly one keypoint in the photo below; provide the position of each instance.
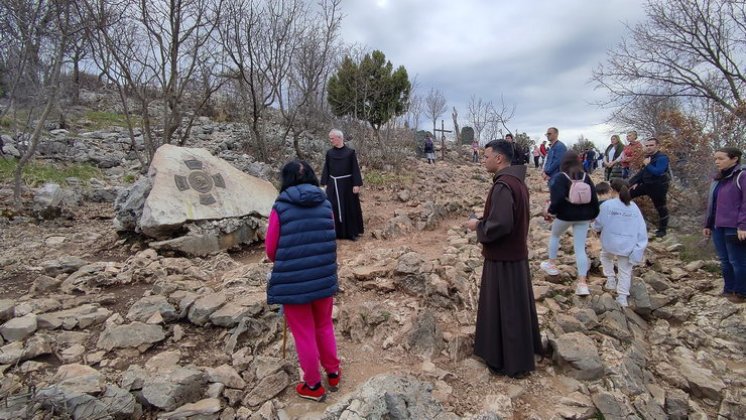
(370, 90)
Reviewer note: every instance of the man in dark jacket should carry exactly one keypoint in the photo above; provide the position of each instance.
(507, 330)
(519, 155)
(652, 180)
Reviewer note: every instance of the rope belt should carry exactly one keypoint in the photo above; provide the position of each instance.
(336, 192)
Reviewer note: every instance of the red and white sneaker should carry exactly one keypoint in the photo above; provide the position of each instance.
(316, 394)
(334, 379)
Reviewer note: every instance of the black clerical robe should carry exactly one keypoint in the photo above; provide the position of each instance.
(341, 173)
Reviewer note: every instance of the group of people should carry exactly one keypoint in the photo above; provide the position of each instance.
(306, 221)
(507, 333)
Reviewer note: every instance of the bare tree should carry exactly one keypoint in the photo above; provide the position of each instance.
(163, 51)
(260, 40)
(40, 47)
(479, 111)
(689, 49)
(456, 130)
(414, 112)
(498, 117)
(301, 98)
(435, 105)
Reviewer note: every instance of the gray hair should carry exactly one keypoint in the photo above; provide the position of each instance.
(337, 133)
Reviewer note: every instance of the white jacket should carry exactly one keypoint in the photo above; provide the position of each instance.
(623, 230)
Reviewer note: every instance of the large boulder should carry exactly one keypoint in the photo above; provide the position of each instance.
(190, 184)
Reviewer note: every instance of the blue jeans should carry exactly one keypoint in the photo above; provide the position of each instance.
(579, 234)
(732, 254)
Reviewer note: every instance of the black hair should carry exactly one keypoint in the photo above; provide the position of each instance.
(653, 139)
(297, 172)
(571, 165)
(603, 187)
(620, 186)
(502, 147)
(732, 152)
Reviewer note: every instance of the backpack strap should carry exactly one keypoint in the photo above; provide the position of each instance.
(738, 180)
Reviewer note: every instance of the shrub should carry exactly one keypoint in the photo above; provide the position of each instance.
(37, 173)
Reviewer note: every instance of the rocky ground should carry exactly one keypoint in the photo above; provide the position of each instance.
(98, 325)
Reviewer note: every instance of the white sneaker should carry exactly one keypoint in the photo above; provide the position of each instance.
(622, 301)
(549, 268)
(610, 284)
(582, 290)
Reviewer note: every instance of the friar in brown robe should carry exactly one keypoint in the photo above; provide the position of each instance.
(507, 332)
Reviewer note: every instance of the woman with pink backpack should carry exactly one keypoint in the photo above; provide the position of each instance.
(573, 202)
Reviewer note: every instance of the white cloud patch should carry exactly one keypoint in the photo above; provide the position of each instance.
(538, 54)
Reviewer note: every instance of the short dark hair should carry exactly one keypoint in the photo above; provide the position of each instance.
(509, 135)
(603, 187)
(732, 152)
(653, 139)
(502, 147)
(297, 172)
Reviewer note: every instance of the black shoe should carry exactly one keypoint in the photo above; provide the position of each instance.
(660, 233)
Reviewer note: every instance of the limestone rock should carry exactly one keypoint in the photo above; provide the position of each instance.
(200, 408)
(178, 387)
(702, 382)
(135, 335)
(225, 375)
(267, 388)
(7, 309)
(191, 184)
(578, 354)
(82, 316)
(79, 378)
(18, 329)
(63, 265)
(202, 308)
(144, 308)
(405, 398)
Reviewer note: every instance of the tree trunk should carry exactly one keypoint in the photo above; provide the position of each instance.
(53, 90)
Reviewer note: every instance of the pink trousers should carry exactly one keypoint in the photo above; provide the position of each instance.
(313, 330)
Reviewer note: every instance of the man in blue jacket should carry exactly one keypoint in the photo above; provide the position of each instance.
(652, 180)
(557, 150)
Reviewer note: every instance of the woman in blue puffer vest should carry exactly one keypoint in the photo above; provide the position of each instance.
(302, 243)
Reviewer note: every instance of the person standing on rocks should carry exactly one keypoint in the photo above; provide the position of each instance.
(632, 156)
(507, 330)
(726, 222)
(613, 159)
(429, 149)
(301, 240)
(342, 179)
(557, 150)
(624, 236)
(568, 214)
(652, 180)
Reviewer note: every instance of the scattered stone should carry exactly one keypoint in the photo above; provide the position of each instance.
(63, 265)
(701, 381)
(17, 329)
(200, 408)
(174, 389)
(225, 375)
(134, 335)
(146, 307)
(576, 353)
(79, 378)
(202, 308)
(267, 388)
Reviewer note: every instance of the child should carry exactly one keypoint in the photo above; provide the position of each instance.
(302, 242)
(603, 189)
(623, 235)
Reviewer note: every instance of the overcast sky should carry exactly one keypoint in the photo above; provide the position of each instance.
(539, 54)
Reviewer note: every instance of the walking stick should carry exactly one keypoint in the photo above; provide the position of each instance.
(284, 336)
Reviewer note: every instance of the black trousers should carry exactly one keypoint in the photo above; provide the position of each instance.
(536, 161)
(657, 193)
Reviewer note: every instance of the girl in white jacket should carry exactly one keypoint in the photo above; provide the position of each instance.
(623, 235)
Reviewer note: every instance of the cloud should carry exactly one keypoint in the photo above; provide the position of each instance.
(538, 54)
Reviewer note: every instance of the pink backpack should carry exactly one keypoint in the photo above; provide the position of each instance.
(580, 192)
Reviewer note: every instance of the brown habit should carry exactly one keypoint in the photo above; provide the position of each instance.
(507, 331)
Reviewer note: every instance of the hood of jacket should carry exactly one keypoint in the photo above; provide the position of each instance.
(305, 195)
(517, 171)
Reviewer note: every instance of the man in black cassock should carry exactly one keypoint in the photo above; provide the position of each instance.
(342, 178)
(507, 331)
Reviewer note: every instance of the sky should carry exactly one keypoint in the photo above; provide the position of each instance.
(538, 54)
